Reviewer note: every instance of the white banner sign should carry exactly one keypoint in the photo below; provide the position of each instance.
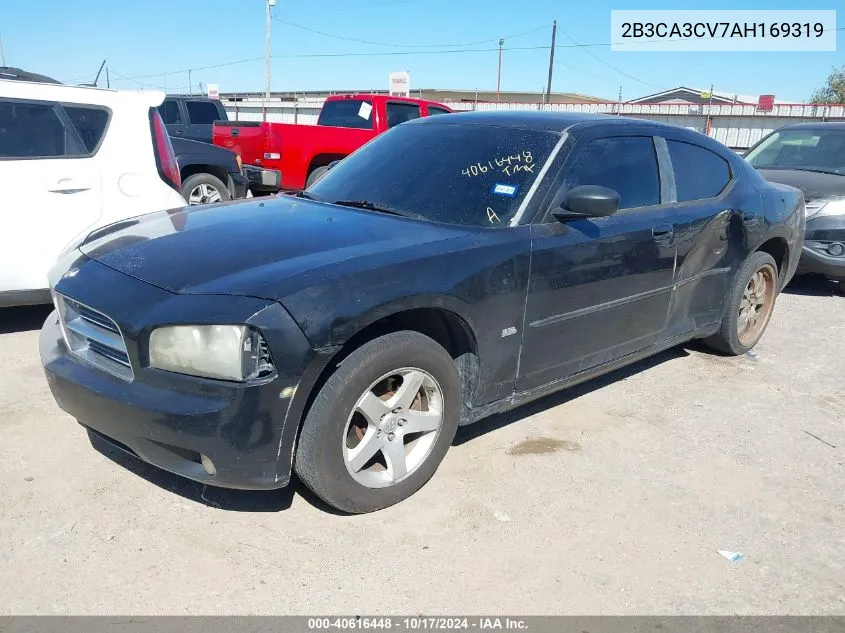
(213, 91)
(400, 84)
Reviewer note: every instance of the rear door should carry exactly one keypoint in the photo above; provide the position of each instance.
(174, 118)
(599, 287)
(399, 111)
(202, 113)
(50, 182)
(703, 216)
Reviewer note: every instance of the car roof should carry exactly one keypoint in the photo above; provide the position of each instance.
(815, 125)
(16, 89)
(549, 121)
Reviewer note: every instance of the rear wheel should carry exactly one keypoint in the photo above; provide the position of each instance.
(315, 175)
(204, 189)
(749, 306)
(381, 424)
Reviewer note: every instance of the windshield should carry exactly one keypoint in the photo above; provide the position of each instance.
(460, 174)
(812, 150)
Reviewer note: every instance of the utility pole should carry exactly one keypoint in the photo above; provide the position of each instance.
(551, 63)
(270, 3)
(190, 84)
(499, 80)
(2, 54)
(108, 81)
(709, 121)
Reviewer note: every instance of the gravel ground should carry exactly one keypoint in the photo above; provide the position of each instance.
(612, 497)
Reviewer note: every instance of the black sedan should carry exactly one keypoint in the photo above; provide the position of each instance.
(453, 268)
(811, 157)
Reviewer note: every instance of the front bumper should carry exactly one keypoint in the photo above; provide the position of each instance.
(821, 234)
(171, 420)
(263, 181)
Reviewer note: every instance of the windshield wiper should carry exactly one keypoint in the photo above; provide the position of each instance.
(816, 170)
(307, 196)
(375, 206)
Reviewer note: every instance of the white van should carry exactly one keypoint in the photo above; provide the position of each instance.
(73, 159)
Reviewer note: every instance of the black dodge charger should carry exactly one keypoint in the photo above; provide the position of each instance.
(453, 268)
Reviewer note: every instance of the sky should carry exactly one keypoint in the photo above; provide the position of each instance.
(153, 43)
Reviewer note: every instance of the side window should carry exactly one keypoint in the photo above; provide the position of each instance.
(170, 113)
(400, 112)
(90, 123)
(202, 112)
(432, 110)
(32, 130)
(699, 173)
(626, 164)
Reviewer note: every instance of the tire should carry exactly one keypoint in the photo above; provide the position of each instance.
(315, 175)
(335, 427)
(204, 184)
(730, 338)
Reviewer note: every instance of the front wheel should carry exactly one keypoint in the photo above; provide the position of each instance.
(749, 306)
(204, 189)
(382, 423)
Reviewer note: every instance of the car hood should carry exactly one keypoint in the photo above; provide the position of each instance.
(813, 184)
(263, 249)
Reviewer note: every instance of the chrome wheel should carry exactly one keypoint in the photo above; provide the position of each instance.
(204, 194)
(393, 427)
(756, 305)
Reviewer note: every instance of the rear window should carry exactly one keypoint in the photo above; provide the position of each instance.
(202, 112)
(90, 123)
(432, 111)
(352, 113)
(699, 173)
(34, 130)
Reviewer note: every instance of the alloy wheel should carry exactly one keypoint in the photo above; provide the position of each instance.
(393, 427)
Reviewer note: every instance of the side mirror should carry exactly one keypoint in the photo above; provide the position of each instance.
(332, 165)
(588, 201)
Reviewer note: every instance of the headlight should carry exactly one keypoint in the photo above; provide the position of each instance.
(228, 352)
(821, 207)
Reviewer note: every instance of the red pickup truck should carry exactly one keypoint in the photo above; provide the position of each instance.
(303, 152)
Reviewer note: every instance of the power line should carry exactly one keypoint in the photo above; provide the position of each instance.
(594, 56)
(401, 54)
(135, 80)
(352, 39)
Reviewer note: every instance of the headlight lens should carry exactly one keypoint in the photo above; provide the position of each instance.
(227, 352)
(821, 207)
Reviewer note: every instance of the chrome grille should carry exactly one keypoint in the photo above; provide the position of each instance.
(94, 337)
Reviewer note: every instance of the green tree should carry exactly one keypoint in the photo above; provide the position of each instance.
(834, 88)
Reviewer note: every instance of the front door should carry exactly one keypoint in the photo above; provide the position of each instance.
(600, 287)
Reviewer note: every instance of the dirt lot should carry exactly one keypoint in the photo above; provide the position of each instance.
(613, 497)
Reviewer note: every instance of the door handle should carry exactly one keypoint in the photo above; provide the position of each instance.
(662, 232)
(68, 185)
(180, 132)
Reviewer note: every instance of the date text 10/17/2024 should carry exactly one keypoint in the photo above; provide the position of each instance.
(416, 623)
